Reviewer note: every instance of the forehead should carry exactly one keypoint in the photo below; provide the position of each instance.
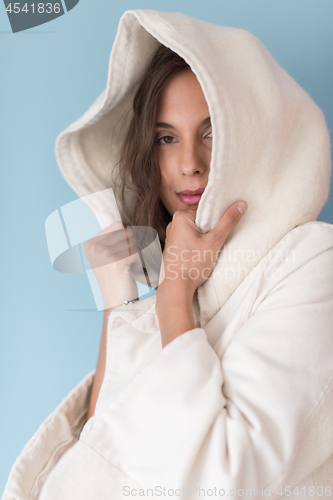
(183, 93)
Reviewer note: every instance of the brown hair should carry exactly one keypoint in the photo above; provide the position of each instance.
(139, 169)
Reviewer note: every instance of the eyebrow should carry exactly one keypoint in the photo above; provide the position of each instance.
(206, 121)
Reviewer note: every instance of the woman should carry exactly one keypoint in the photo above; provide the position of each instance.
(221, 385)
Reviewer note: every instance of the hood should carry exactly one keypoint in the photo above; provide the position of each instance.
(270, 147)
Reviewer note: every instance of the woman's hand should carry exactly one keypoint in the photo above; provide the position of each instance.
(189, 255)
(189, 258)
(112, 254)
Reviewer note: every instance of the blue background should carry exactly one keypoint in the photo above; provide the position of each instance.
(50, 75)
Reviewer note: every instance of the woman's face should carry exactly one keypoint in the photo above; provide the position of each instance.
(183, 142)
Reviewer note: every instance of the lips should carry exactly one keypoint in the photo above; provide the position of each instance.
(190, 197)
(192, 192)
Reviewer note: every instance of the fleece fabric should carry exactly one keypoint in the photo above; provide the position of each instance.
(243, 401)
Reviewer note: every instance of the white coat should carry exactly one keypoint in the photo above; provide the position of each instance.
(242, 403)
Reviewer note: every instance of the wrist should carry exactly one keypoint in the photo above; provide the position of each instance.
(174, 309)
(175, 292)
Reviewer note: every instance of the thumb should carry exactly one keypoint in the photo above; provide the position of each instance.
(229, 221)
(192, 213)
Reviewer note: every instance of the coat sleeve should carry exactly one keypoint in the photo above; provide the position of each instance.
(191, 418)
(59, 431)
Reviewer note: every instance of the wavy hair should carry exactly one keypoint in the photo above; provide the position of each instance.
(139, 170)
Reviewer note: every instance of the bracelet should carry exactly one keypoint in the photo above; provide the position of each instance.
(129, 302)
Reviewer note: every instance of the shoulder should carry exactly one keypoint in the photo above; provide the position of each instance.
(298, 268)
(300, 246)
(315, 234)
(312, 237)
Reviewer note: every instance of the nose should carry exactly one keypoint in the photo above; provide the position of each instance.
(194, 159)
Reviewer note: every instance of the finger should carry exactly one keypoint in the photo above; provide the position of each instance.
(192, 213)
(118, 244)
(117, 229)
(136, 263)
(130, 263)
(127, 247)
(187, 212)
(108, 256)
(229, 221)
(116, 226)
(109, 238)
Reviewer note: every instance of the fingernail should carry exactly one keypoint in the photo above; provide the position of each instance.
(242, 207)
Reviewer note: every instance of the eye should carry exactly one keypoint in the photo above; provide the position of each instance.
(209, 135)
(166, 139)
